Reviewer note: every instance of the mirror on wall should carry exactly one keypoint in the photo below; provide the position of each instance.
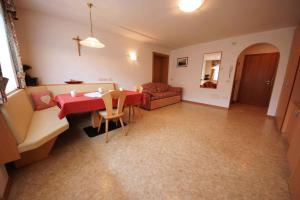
(210, 70)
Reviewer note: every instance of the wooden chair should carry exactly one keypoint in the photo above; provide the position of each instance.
(111, 112)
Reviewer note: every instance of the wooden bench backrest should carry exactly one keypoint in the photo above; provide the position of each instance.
(56, 89)
(18, 112)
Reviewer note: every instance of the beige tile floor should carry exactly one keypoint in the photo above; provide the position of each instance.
(183, 151)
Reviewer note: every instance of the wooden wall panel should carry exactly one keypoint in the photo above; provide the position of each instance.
(293, 135)
(8, 146)
(295, 183)
(288, 85)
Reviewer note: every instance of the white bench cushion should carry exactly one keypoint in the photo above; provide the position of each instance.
(45, 125)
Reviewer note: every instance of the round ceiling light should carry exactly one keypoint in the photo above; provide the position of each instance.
(190, 5)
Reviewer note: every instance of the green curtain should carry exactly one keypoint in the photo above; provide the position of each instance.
(10, 15)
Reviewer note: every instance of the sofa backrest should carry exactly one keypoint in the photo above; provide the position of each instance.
(161, 87)
(156, 87)
(18, 112)
(150, 87)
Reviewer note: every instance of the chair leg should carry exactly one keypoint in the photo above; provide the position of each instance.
(133, 113)
(100, 121)
(106, 130)
(140, 111)
(122, 124)
(129, 113)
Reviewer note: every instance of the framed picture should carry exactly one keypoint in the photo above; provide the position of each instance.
(182, 62)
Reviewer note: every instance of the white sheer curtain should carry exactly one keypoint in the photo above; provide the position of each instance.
(7, 66)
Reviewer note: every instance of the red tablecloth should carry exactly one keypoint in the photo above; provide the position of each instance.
(81, 103)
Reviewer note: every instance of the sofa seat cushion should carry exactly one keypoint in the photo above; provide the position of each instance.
(44, 126)
(161, 95)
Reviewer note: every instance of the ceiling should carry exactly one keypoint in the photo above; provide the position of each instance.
(161, 22)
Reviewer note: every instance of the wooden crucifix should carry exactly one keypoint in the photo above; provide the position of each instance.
(77, 39)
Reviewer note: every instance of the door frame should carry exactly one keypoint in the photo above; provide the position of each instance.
(235, 71)
(163, 56)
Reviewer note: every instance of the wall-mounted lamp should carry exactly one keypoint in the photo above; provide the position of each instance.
(132, 56)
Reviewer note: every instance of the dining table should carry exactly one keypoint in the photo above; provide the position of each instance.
(82, 103)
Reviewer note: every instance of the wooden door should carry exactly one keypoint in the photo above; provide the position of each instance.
(160, 68)
(156, 73)
(288, 85)
(257, 78)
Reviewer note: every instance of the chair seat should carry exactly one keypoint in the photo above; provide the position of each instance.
(115, 115)
(44, 126)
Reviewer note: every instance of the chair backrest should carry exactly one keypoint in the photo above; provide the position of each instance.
(109, 98)
(139, 88)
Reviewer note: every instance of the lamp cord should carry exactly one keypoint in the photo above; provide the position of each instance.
(91, 22)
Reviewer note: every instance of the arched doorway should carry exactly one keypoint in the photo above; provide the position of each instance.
(255, 73)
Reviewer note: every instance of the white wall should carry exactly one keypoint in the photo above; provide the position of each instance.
(3, 180)
(47, 45)
(189, 77)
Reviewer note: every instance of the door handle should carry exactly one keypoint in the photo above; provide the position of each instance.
(268, 82)
(296, 113)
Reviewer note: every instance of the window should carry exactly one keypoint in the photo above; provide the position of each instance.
(6, 62)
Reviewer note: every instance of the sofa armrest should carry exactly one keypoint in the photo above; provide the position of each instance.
(146, 100)
(176, 89)
(147, 92)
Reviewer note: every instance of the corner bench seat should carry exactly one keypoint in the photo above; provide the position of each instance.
(30, 128)
(44, 126)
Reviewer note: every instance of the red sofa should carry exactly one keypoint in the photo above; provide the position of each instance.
(156, 95)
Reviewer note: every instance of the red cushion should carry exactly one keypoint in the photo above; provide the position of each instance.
(42, 100)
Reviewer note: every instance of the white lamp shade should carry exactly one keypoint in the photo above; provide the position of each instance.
(190, 5)
(92, 42)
